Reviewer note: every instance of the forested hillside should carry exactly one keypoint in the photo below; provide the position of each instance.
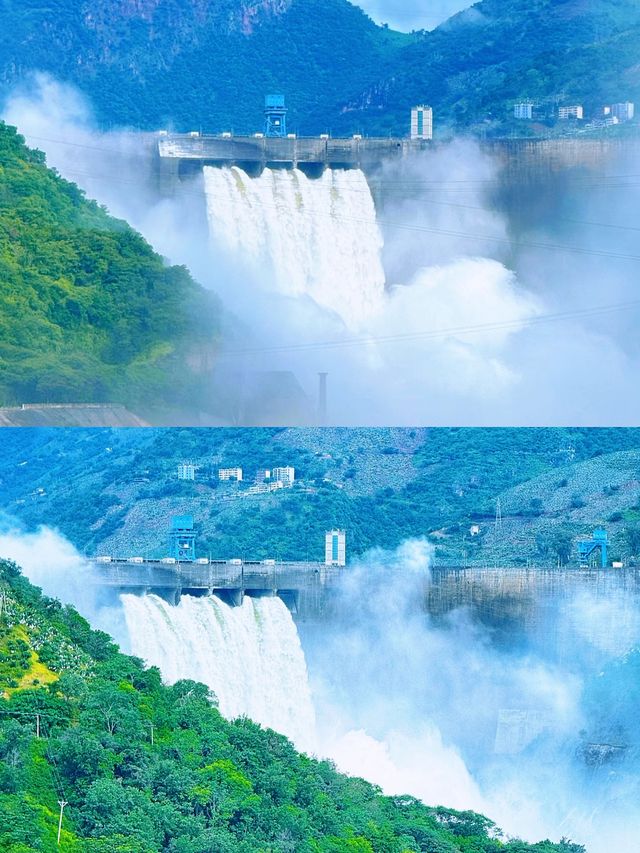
(199, 65)
(475, 66)
(115, 491)
(145, 768)
(88, 311)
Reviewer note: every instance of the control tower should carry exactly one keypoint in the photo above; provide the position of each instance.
(182, 538)
(275, 117)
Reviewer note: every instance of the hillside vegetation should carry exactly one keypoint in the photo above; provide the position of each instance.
(114, 492)
(473, 68)
(88, 311)
(197, 65)
(146, 768)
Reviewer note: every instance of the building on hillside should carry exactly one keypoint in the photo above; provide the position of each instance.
(263, 474)
(474, 530)
(187, 471)
(523, 110)
(264, 488)
(422, 122)
(335, 548)
(286, 476)
(574, 112)
(622, 112)
(226, 474)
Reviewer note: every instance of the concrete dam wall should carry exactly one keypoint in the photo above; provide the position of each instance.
(180, 156)
(553, 610)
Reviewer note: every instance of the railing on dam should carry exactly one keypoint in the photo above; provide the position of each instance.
(214, 574)
(259, 152)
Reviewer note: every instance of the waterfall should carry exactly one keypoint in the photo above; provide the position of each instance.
(314, 237)
(250, 656)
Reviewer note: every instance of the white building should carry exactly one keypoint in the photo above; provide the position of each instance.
(623, 112)
(286, 476)
(523, 110)
(187, 471)
(230, 474)
(422, 122)
(263, 474)
(575, 112)
(265, 488)
(335, 548)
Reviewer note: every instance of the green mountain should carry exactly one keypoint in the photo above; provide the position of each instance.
(197, 64)
(88, 311)
(473, 68)
(192, 64)
(115, 491)
(144, 768)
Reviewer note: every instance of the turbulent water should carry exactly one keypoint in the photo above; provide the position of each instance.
(250, 656)
(315, 237)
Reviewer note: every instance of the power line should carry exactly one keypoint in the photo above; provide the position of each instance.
(579, 179)
(400, 184)
(401, 225)
(434, 334)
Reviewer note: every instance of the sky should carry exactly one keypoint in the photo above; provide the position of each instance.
(409, 15)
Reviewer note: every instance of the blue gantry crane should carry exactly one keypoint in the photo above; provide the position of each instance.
(599, 540)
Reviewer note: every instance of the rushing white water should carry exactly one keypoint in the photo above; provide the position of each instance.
(314, 237)
(250, 656)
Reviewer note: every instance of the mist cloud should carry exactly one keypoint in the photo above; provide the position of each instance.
(436, 710)
(459, 334)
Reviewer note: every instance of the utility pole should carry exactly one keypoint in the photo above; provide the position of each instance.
(62, 804)
(498, 523)
(151, 734)
(38, 726)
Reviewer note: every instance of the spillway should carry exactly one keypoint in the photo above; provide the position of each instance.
(305, 237)
(250, 656)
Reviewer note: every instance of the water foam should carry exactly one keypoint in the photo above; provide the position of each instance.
(250, 656)
(307, 237)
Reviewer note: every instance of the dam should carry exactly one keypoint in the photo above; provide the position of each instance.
(303, 586)
(180, 156)
(540, 606)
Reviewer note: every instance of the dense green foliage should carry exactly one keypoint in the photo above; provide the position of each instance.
(474, 67)
(208, 66)
(88, 312)
(114, 492)
(147, 768)
(199, 65)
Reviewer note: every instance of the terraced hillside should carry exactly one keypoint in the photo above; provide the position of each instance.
(114, 491)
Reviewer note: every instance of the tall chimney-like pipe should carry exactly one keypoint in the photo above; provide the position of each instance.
(322, 399)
